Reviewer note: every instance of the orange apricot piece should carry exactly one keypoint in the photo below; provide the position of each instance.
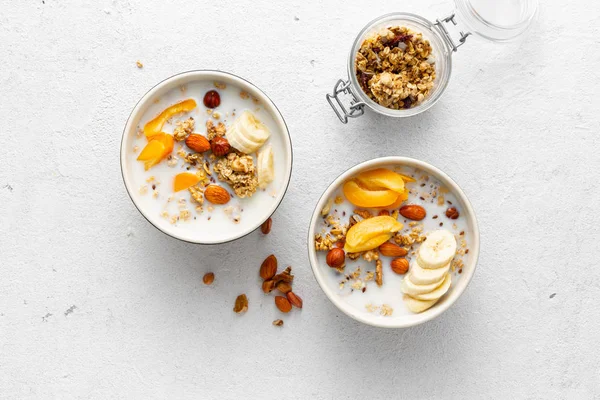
(184, 180)
(155, 126)
(152, 154)
(381, 178)
(368, 198)
(402, 197)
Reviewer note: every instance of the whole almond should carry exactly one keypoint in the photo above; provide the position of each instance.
(283, 304)
(284, 287)
(413, 211)
(268, 268)
(208, 278)
(198, 143)
(216, 194)
(265, 228)
(336, 258)
(268, 286)
(241, 304)
(390, 249)
(294, 299)
(400, 265)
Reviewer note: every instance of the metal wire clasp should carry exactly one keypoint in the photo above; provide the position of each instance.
(453, 44)
(356, 107)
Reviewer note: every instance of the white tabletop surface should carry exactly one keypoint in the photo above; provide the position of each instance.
(96, 303)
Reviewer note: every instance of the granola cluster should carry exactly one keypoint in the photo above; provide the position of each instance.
(183, 129)
(396, 68)
(239, 172)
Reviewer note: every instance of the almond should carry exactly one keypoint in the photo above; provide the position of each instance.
(284, 287)
(390, 249)
(265, 228)
(283, 304)
(413, 211)
(198, 143)
(268, 268)
(208, 278)
(241, 304)
(268, 286)
(216, 194)
(336, 258)
(285, 276)
(294, 299)
(400, 265)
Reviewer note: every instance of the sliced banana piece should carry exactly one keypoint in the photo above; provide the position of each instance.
(409, 287)
(437, 250)
(437, 292)
(247, 134)
(423, 276)
(416, 305)
(266, 170)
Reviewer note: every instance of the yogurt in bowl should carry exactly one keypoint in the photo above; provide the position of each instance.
(393, 242)
(206, 157)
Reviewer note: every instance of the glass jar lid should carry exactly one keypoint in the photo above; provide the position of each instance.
(497, 20)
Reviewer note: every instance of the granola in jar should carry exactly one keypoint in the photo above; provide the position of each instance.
(396, 68)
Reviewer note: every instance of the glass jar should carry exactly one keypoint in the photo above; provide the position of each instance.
(494, 20)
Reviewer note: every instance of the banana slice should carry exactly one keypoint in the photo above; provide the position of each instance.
(416, 305)
(409, 287)
(423, 276)
(437, 250)
(437, 292)
(247, 134)
(266, 171)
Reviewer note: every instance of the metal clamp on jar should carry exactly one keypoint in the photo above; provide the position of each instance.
(493, 20)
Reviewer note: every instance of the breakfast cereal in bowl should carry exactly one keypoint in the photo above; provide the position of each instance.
(206, 157)
(393, 242)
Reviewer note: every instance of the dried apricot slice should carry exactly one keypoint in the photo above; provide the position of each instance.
(152, 153)
(155, 126)
(368, 198)
(381, 178)
(184, 180)
(371, 233)
(402, 197)
(407, 178)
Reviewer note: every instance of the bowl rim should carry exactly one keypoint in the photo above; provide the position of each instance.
(203, 73)
(457, 291)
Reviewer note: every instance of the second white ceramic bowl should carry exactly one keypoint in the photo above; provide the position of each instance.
(328, 279)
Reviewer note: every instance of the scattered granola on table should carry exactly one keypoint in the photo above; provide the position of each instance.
(395, 68)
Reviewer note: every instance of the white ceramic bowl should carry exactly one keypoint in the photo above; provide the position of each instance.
(256, 209)
(327, 278)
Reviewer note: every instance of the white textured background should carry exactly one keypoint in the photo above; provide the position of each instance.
(95, 303)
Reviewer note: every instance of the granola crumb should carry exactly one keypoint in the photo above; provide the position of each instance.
(220, 85)
(244, 95)
(139, 64)
(216, 115)
(155, 194)
(136, 148)
(239, 172)
(278, 322)
(386, 310)
(183, 129)
(213, 131)
(143, 189)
